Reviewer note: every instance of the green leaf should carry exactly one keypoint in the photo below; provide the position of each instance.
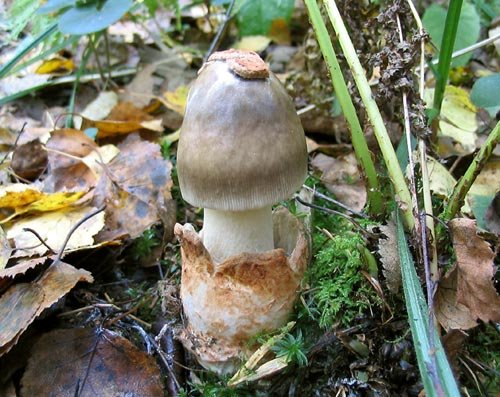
(486, 93)
(434, 367)
(255, 17)
(89, 19)
(468, 29)
(55, 6)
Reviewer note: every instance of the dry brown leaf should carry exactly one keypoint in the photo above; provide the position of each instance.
(475, 271)
(389, 256)
(18, 308)
(22, 303)
(29, 160)
(140, 90)
(66, 148)
(451, 314)
(341, 176)
(93, 361)
(22, 267)
(138, 193)
(125, 118)
(53, 227)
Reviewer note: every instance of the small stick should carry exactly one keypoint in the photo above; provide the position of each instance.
(333, 212)
(337, 203)
(28, 229)
(222, 29)
(76, 226)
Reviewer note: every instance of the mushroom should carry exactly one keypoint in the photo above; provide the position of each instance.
(241, 150)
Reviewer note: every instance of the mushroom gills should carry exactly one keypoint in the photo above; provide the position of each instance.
(228, 233)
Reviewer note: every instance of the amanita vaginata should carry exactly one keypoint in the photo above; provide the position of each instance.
(241, 150)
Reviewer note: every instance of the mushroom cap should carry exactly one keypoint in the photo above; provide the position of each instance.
(241, 144)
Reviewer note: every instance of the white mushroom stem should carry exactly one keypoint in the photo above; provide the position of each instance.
(227, 233)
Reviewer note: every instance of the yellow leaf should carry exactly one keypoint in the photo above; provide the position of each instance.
(53, 227)
(442, 182)
(56, 65)
(176, 100)
(253, 43)
(108, 128)
(24, 198)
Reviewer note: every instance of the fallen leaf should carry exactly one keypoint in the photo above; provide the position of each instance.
(475, 271)
(66, 149)
(75, 161)
(56, 66)
(94, 362)
(441, 182)
(388, 251)
(458, 124)
(101, 107)
(341, 176)
(109, 128)
(5, 250)
(252, 43)
(11, 85)
(24, 199)
(279, 32)
(22, 267)
(136, 189)
(450, 313)
(53, 227)
(176, 100)
(140, 90)
(29, 160)
(22, 303)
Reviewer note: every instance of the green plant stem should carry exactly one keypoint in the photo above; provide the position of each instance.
(37, 40)
(445, 53)
(79, 72)
(358, 140)
(463, 185)
(395, 173)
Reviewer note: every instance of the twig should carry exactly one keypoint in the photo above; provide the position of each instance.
(27, 229)
(333, 212)
(336, 202)
(222, 29)
(76, 226)
(411, 163)
(422, 151)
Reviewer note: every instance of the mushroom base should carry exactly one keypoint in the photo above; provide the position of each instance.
(226, 304)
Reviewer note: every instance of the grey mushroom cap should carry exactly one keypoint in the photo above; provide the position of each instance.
(241, 144)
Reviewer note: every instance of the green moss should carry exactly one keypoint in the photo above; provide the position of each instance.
(336, 279)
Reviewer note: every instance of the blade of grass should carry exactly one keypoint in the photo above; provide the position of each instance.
(391, 161)
(445, 53)
(358, 140)
(435, 369)
(64, 80)
(28, 47)
(463, 185)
